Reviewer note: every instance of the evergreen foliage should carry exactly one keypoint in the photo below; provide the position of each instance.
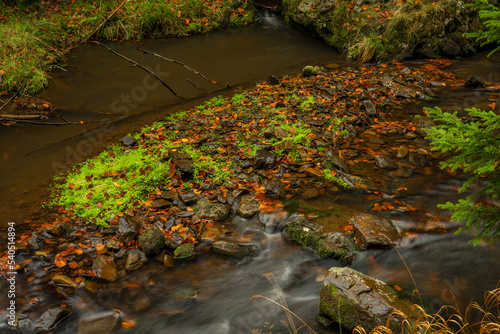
(476, 145)
(491, 15)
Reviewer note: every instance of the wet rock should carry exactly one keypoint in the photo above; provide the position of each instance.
(268, 133)
(174, 241)
(373, 231)
(213, 211)
(335, 163)
(422, 124)
(385, 163)
(235, 249)
(474, 82)
(161, 203)
(55, 229)
(105, 268)
(315, 122)
(113, 244)
(248, 207)
(357, 183)
(403, 171)
(142, 304)
(184, 166)
(127, 230)
(168, 260)
(151, 240)
(369, 107)
(337, 245)
(274, 188)
(184, 252)
(272, 80)
(264, 159)
(364, 96)
(129, 141)
(403, 151)
(102, 323)
(309, 71)
(310, 193)
(352, 298)
(270, 220)
(169, 195)
(51, 318)
(135, 259)
(189, 198)
(314, 172)
(64, 281)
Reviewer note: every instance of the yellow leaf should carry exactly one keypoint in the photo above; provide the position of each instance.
(119, 202)
(116, 184)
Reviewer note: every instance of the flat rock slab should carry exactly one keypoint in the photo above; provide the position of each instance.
(102, 323)
(373, 231)
(352, 298)
(235, 249)
(51, 318)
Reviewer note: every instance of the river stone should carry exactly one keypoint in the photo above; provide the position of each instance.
(51, 318)
(169, 195)
(188, 198)
(235, 249)
(174, 241)
(184, 252)
(102, 323)
(474, 82)
(63, 280)
(113, 244)
(127, 230)
(352, 298)
(274, 188)
(212, 211)
(423, 124)
(309, 71)
(270, 220)
(161, 203)
(248, 207)
(371, 230)
(151, 240)
(385, 163)
(338, 245)
(105, 268)
(129, 141)
(264, 159)
(403, 151)
(135, 259)
(369, 107)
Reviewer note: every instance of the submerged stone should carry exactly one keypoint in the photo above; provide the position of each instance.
(102, 323)
(51, 318)
(105, 268)
(184, 252)
(232, 248)
(135, 259)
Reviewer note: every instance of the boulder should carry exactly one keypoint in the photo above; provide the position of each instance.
(474, 82)
(151, 240)
(135, 259)
(51, 318)
(352, 298)
(129, 141)
(249, 206)
(373, 231)
(274, 188)
(309, 71)
(102, 323)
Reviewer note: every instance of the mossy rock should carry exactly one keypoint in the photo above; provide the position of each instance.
(151, 240)
(309, 71)
(184, 252)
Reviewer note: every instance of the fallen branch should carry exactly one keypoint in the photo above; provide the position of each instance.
(104, 22)
(23, 116)
(141, 66)
(182, 64)
(34, 122)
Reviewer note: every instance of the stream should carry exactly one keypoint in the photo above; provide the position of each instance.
(211, 294)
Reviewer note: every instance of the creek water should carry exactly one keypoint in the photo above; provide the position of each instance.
(211, 294)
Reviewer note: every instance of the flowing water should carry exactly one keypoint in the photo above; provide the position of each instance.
(211, 294)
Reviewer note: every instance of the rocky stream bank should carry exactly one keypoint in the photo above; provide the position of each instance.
(225, 173)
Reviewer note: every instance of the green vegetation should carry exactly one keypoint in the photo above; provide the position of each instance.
(33, 35)
(330, 177)
(476, 145)
(490, 14)
(110, 183)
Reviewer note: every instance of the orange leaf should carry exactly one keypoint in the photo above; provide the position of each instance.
(376, 207)
(31, 278)
(397, 287)
(73, 265)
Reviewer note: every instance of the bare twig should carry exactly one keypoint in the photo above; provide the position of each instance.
(139, 65)
(182, 64)
(19, 89)
(2, 116)
(104, 22)
(34, 122)
(192, 83)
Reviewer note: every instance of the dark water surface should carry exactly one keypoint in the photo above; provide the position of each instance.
(211, 294)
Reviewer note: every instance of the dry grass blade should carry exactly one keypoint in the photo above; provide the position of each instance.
(277, 288)
(286, 310)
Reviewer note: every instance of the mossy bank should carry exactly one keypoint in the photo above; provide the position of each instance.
(34, 35)
(383, 30)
